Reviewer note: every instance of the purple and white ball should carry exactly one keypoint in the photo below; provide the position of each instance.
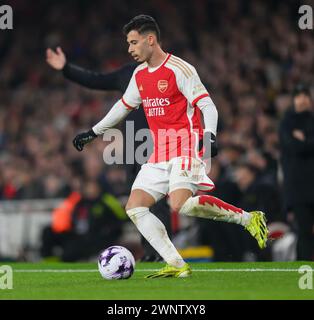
(116, 263)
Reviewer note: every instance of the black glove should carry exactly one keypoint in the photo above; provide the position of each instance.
(210, 144)
(81, 139)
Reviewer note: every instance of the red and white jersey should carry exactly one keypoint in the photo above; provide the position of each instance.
(169, 95)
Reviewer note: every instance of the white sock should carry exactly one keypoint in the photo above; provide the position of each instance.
(155, 233)
(209, 207)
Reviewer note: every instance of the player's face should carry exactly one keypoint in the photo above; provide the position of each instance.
(139, 46)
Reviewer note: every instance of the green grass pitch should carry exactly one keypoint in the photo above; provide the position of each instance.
(59, 281)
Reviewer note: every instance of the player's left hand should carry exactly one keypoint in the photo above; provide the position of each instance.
(83, 138)
(210, 145)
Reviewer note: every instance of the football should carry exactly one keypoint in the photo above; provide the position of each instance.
(116, 263)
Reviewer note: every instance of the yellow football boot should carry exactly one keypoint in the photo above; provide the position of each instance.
(257, 228)
(171, 272)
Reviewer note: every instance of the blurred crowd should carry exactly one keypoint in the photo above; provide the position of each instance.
(249, 54)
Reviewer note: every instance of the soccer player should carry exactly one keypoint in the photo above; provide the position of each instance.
(116, 80)
(173, 98)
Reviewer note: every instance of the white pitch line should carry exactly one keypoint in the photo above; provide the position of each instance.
(152, 270)
(54, 270)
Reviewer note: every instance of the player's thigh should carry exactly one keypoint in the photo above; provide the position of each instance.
(153, 179)
(139, 198)
(178, 197)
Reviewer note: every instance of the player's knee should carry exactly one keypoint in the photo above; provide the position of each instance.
(139, 198)
(177, 198)
(129, 206)
(176, 204)
(133, 204)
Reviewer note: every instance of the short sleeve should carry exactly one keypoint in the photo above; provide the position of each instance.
(131, 97)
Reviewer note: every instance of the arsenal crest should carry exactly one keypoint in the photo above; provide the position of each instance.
(162, 85)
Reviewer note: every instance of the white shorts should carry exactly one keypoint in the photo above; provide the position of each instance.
(161, 178)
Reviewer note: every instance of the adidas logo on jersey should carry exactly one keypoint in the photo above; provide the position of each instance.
(184, 174)
(156, 102)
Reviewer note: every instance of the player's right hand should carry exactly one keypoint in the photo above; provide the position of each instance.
(56, 59)
(83, 138)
